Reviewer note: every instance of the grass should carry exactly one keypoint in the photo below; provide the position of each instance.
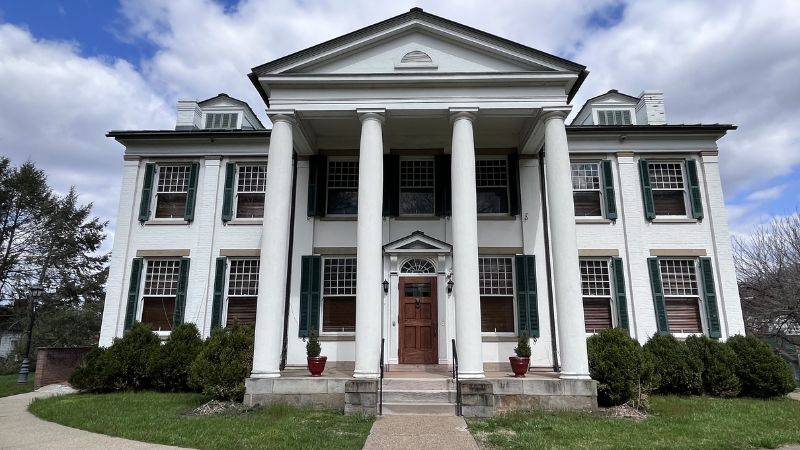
(9, 386)
(159, 418)
(676, 423)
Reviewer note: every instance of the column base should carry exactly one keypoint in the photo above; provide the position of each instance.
(368, 374)
(471, 375)
(574, 376)
(265, 375)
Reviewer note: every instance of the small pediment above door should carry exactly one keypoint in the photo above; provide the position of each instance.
(417, 242)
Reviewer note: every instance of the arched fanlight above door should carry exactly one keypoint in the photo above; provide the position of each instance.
(417, 265)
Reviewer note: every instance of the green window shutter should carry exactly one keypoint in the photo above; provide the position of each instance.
(180, 296)
(712, 312)
(228, 193)
(647, 190)
(191, 192)
(527, 306)
(658, 295)
(694, 190)
(219, 292)
(310, 290)
(147, 192)
(317, 180)
(391, 185)
(620, 298)
(514, 196)
(133, 292)
(608, 190)
(442, 188)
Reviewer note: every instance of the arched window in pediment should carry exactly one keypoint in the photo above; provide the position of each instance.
(417, 265)
(416, 57)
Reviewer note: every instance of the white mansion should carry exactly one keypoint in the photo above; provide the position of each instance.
(419, 185)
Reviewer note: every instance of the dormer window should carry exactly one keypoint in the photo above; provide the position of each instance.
(614, 117)
(222, 121)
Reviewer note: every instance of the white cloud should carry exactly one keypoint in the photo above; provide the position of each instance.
(767, 194)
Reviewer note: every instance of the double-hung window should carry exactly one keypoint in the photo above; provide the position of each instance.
(339, 295)
(491, 180)
(668, 183)
(242, 291)
(160, 292)
(681, 294)
(342, 187)
(587, 189)
(496, 278)
(171, 191)
(417, 187)
(251, 186)
(597, 293)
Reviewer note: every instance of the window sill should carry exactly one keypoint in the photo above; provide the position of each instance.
(595, 220)
(674, 220)
(337, 338)
(416, 218)
(496, 217)
(166, 222)
(500, 338)
(245, 222)
(342, 218)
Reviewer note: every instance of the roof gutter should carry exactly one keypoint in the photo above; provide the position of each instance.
(254, 79)
(581, 77)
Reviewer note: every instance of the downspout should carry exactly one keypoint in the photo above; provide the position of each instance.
(289, 267)
(547, 256)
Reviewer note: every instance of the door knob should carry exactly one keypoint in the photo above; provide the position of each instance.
(417, 301)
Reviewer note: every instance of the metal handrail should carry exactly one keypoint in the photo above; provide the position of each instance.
(380, 387)
(455, 377)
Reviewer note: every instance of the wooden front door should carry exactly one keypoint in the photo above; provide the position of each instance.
(418, 321)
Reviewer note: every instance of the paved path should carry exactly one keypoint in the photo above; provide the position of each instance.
(21, 429)
(420, 433)
(795, 395)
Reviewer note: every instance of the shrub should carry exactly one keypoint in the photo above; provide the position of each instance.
(679, 370)
(761, 372)
(523, 348)
(313, 348)
(10, 364)
(719, 366)
(169, 366)
(620, 366)
(224, 362)
(93, 374)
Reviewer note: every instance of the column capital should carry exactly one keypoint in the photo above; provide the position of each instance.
(282, 115)
(365, 114)
(554, 113)
(463, 113)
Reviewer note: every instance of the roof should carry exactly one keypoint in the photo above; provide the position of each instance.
(612, 91)
(414, 14)
(234, 100)
(717, 128)
(183, 134)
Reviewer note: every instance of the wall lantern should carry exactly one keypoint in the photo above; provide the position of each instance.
(450, 286)
(385, 287)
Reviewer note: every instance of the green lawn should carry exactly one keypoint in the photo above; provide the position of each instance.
(159, 418)
(676, 423)
(9, 386)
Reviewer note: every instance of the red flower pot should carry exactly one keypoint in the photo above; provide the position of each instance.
(316, 365)
(519, 364)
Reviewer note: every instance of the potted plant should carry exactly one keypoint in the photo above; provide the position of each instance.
(521, 362)
(316, 363)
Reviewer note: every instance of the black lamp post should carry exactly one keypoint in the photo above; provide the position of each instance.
(35, 293)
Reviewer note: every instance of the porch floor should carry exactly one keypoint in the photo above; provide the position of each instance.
(443, 372)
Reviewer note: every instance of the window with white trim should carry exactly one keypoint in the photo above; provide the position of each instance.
(251, 187)
(596, 292)
(242, 291)
(668, 184)
(416, 187)
(587, 189)
(342, 187)
(681, 294)
(614, 117)
(417, 265)
(222, 121)
(159, 293)
(491, 181)
(339, 295)
(171, 191)
(496, 281)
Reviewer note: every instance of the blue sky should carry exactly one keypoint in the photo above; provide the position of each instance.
(72, 70)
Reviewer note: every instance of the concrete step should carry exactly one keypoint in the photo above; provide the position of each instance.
(419, 409)
(418, 384)
(417, 396)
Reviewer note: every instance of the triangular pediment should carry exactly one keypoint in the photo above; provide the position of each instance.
(416, 42)
(417, 242)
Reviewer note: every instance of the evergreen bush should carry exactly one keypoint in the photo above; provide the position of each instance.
(679, 370)
(523, 348)
(761, 372)
(92, 375)
(224, 362)
(313, 349)
(719, 366)
(624, 372)
(169, 366)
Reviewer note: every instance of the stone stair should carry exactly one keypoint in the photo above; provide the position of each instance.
(419, 396)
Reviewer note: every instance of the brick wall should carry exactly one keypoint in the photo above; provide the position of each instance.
(54, 365)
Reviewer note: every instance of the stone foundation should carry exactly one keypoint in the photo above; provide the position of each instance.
(485, 398)
(361, 397)
(340, 394)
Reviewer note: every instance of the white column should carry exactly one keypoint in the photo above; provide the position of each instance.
(465, 247)
(369, 252)
(566, 276)
(274, 251)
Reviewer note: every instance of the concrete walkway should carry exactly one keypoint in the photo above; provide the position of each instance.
(420, 433)
(21, 429)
